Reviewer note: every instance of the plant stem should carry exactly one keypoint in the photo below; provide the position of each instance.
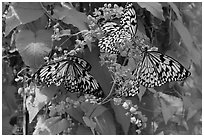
(112, 88)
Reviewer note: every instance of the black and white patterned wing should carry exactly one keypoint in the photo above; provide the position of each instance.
(89, 85)
(107, 44)
(129, 19)
(55, 71)
(110, 27)
(157, 69)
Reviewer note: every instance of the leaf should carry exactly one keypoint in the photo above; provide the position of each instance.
(197, 104)
(192, 106)
(141, 29)
(9, 98)
(105, 124)
(191, 113)
(58, 127)
(22, 13)
(49, 122)
(154, 7)
(89, 122)
(27, 11)
(51, 126)
(167, 111)
(98, 111)
(92, 110)
(187, 102)
(141, 93)
(3, 7)
(33, 46)
(11, 21)
(42, 97)
(176, 10)
(121, 118)
(76, 114)
(88, 108)
(152, 90)
(184, 33)
(161, 133)
(42, 126)
(81, 130)
(188, 41)
(69, 15)
(173, 101)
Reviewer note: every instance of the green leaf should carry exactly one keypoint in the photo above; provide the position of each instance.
(42, 97)
(11, 21)
(33, 46)
(161, 133)
(167, 111)
(187, 39)
(27, 11)
(89, 122)
(49, 122)
(184, 33)
(141, 93)
(121, 118)
(88, 108)
(42, 126)
(174, 102)
(58, 127)
(191, 113)
(69, 15)
(76, 113)
(197, 104)
(81, 130)
(22, 13)
(154, 7)
(98, 111)
(192, 106)
(176, 10)
(92, 110)
(51, 126)
(187, 102)
(105, 124)
(141, 29)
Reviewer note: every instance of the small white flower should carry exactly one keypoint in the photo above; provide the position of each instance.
(132, 119)
(125, 105)
(133, 110)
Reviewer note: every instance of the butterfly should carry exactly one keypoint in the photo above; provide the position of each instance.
(115, 34)
(156, 69)
(71, 71)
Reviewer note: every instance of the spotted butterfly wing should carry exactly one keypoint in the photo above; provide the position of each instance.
(157, 69)
(107, 44)
(54, 71)
(129, 19)
(90, 86)
(112, 42)
(72, 72)
(109, 28)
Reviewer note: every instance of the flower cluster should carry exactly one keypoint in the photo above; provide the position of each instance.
(136, 117)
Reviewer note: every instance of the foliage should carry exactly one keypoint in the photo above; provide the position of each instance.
(39, 31)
